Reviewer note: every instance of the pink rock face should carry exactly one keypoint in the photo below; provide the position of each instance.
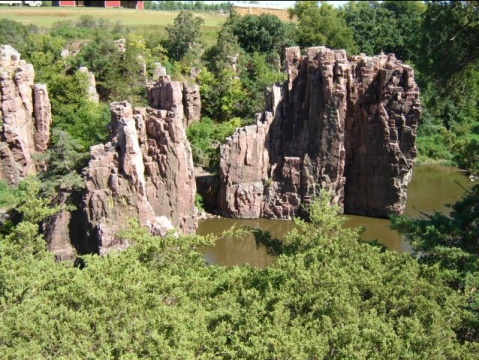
(241, 189)
(57, 233)
(43, 117)
(25, 117)
(192, 103)
(145, 172)
(346, 125)
(182, 99)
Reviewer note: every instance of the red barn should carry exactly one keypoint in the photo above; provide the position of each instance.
(105, 4)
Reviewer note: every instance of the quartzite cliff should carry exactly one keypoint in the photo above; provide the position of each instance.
(145, 171)
(25, 117)
(343, 124)
(346, 124)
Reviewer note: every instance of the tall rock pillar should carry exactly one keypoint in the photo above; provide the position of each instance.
(25, 117)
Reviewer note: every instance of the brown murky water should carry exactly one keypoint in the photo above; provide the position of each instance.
(430, 189)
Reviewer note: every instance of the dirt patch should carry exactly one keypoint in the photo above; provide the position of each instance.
(40, 14)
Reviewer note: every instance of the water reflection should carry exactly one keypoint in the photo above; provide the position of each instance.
(430, 189)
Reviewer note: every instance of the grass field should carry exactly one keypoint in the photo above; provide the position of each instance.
(152, 19)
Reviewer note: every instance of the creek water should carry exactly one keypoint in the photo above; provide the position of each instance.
(431, 188)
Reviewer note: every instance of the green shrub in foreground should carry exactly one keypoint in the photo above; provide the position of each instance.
(328, 296)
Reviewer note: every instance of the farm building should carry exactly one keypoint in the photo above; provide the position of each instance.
(105, 4)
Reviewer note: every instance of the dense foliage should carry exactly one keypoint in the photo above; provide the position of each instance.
(183, 34)
(452, 244)
(449, 74)
(329, 296)
(322, 25)
(188, 5)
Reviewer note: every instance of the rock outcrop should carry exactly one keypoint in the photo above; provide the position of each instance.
(381, 129)
(145, 171)
(181, 98)
(25, 115)
(343, 124)
(191, 103)
(91, 89)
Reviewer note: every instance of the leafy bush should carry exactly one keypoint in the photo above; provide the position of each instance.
(157, 299)
(205, 137)
(450, 243)
(8, 195)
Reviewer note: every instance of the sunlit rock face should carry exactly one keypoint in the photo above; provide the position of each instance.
(144, 172)
(183, 99)
(345, 124)
(25, 117)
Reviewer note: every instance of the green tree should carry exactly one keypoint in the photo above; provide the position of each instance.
(221, 94)
(264, 33)
(451, 243)
(374, 27)
(322, 25)
(408, 16)
(225, 52)
(258, 76)
(62, 163)
(450, 38)
(205, 137)
(449, 79)
(24, 240)
(16, 34)
(183, 34)
(102, 57)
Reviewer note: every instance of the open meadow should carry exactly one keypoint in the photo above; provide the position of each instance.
(150, 20)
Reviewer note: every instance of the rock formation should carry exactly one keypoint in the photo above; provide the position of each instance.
(25, 115)
(145, 171)
(121, 45)
(192, 103)
(184, 99)
(91, 90)
(381, 132)
(343, 124)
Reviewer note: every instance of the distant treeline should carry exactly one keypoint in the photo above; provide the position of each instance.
(190, 5)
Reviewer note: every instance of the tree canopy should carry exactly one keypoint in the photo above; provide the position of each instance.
(183, 34)
(319, 23)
